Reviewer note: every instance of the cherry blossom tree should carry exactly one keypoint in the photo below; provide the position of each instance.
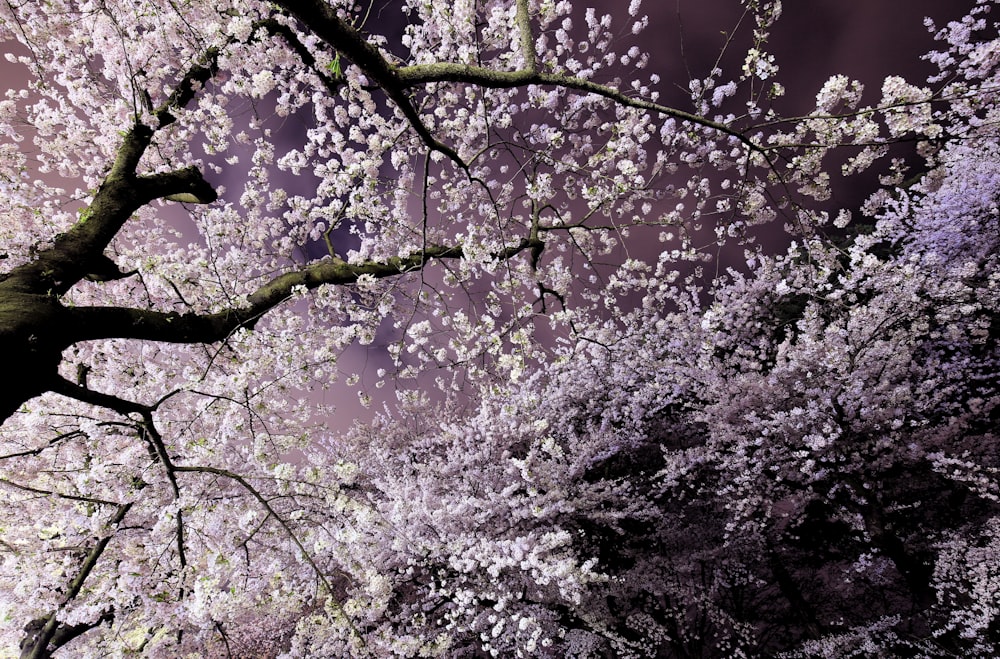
(206, 203)
(800, 463)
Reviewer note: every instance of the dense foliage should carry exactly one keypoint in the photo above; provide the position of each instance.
(599, 449)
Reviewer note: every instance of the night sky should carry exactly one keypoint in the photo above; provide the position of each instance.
(864, 39)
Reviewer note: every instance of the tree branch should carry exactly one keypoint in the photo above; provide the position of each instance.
(50, 632)
(323, 20)
(188, 86)
(124, 407)
(422, 74)
(91, 323)
(319, 17)
(59, 495)
(56, 269)
(287, 529)
(527, 38)
(332, 83)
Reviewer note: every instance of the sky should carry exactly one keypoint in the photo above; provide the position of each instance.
(864, 39)
(867, 40)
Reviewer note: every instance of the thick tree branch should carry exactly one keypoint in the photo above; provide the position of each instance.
(322, 19)
(117, 322)
(89, 323)
(319, 17)
(58, 495)
(800, 606)
(56, 269)
(36, 328)
(423, 74)
(124, 407)
(273, 27)
(338, 271)
(527, 37)
(59, 638)
(916, 573)
(189, 84)
(76, 253)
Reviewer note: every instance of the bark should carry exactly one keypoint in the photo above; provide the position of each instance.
(31, 646)
(800, 607)
(916, 573)
(30, 346)
(45, 635)
(35, 328)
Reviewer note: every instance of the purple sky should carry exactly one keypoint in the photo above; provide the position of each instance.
(865, 39)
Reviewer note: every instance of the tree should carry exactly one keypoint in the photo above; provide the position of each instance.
(803, 464)
(470, 185)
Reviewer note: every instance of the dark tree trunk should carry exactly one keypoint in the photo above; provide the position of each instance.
(32, 338)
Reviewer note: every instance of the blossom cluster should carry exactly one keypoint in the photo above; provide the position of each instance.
(595, 451)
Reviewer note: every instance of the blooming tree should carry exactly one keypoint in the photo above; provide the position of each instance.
(206, 203)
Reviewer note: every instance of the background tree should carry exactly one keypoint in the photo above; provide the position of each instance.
(643, 489)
